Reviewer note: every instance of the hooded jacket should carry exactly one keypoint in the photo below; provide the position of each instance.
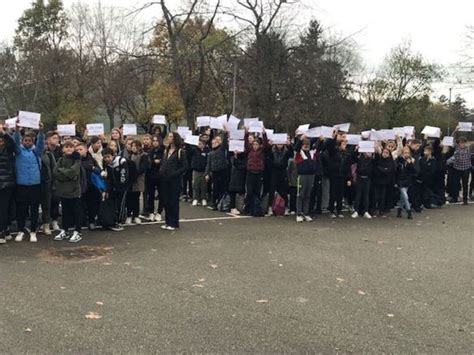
(28, 161)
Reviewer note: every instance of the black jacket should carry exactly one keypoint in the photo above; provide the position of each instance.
(339, 162)
(406, 173)
(364, 166)
(173, 166)
(384, 171)
(280, 157)
(155, 154)
(7, 163)
(239, 173)
(427, 169)
(198, 158)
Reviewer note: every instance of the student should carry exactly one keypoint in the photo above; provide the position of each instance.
(112, 145)
(152, 178)
(67, 187)
(7, 180)
(340, 173)
(427, 176)
(173, 166)
(127, 151)
(316, 198)
(28, 180)
(90, 195)
(116, 136)
(363, 184)
(462, 166)
(384, 169)
(292, 173)
(95, 150)
(414, 192)
(238, 177)
(187, 188)
(49, 204)
(405, 174)
(305, 159)
(216, 168)
(198, 158)
(137, 186)
(280, 154)
(255, 166)
(118, 182)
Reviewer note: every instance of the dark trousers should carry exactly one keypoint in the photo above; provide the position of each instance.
(316, 194)
(361, 204)
(153, 188)
(253, 187)
(49, 205)
(188, 183)
(133, 203)
(120, 199)
(28, 200)
(279, 183)
(337, 185)
(170, 190)
(380, 192)
(415, 194)
(462, 175)
(72, 213)
(219, 185)
(471, 186)
(5, 202)
(293, 198)
(90, 204)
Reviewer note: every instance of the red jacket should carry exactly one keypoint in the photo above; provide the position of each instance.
(256, 158)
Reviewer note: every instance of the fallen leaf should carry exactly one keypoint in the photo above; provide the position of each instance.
(202, 280)
(154, 250)
(360, 292)
(62, 287)
(399, 248)
(380, 242)
(280, 265)
(127, 263)
(214, 266)
(409, 279)
(27, 330)
(99, 303)
(301, 300)
(390, 315)
(22, 261)
(107, 264)
(262, 301)
(340, 279)
(93, 316)
(198, 285)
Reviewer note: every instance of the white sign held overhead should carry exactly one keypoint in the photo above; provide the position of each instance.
(11, 122)
(269, 133)
(353, 139)
(67, 130)
(29, 119)
(327, 132)
(387, 134)
(203, 121)
(248, 121)
(159, 119)
(236, 146)
(190, 139)
(183, 131)
(129, 129)
(366, 147)
(233, 123)
(343, 127)
(238, 134)
(95, 129)
(448, 141)
(431, 131)
(465, 127)
(280, 138)
(302, 129)
(256, 127)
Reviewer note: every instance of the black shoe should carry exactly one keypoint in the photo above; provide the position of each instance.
(417, 209)
(410, 216)
(464, 202)
(399, 213)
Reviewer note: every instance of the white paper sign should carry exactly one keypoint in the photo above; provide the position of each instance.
(247, 121)
(95, 129)
(409, 131)
(280, 138)
(448, 141)
(233, 123)
(29, 119)
(223, 120)
(327, 132)
(376, 136)
(314, 132)
(343, 127)
(203, 121)
(302, 129)
(67, 130)
(129, 129)
(190, 139)
(159, 119)
(387, 134)
(269, 133)
(256, 127)
(184, 131)
(465, 127)
(236, 146)
(353, 139)
(238, 134)
(11, 122)
(431, 131)
(366, 146)
(365, 134)
(399, 131)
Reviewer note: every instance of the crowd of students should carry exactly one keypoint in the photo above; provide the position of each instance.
(116, 181)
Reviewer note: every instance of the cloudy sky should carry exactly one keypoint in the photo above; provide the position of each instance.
(437, 29)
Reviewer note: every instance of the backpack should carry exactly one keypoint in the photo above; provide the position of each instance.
(107, 213)
(98, 181)
(224, 203)
(83, 180)
(278, 206)
(256, 207)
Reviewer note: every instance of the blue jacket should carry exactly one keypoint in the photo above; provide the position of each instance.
(28, 161)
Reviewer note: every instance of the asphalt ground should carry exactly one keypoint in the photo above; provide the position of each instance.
(246, 285)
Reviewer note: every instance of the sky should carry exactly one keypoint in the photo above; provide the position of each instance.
(436, 29)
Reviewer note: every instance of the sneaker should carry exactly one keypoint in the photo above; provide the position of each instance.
(46, 229)
(307, 218)
(8, 235)
(2, 240)
(367, 215)
(287, 212)
(158, 217)
(19, 237)
(340, 215)
(61, 236)
(164, 226)
(116, 228)
(292, 213)
(332, 215)
(169, 228)
(355, 214)
(92, 226)
(234, 211)
(151, 217)
(33, 238)
(195, 203)
(204, 203)
(137, 220)
(128, 221)
(299, 219)
(270, 211)
(76, 237)
(55, 226)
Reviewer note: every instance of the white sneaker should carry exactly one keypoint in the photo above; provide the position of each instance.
(367, 215)
(270, 211)
(19, 237)
(33, 238)
(164, 226)
(234, 211)
(340, 215)
(195, 203)
(55, 226)
(46, 229)
(287, 212)
(128, 221)
(76, 237)
(355, 214)
(299, 219)
(158, 217)
(61, 236)
(307, 218)
(169, 228)
(151, 217)
(292, 213)
(204, 203)
(2, 240)
(137, 220)
(332, 215)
